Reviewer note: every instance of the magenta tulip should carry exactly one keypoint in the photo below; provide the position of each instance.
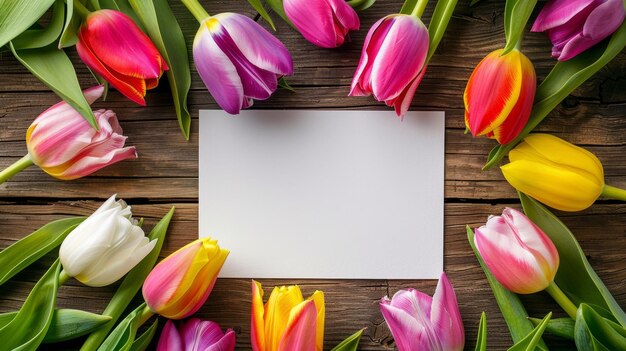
(576, 25)
(392, 61)
(66, 146)
(238, 60)
(112, 45)
(518, 253)
(420, 322)
(325, 23)
(195, 335)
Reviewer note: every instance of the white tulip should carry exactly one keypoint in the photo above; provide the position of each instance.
(105, 246)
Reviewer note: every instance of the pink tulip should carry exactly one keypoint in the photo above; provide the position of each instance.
(66, 146)
(112, 45)
(393, 61)
(195, 335)
(518, 253)
(325, 23)
(576, 25)
(419, 322)
(238, 60)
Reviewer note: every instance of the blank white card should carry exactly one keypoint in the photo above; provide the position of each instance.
(324, 194)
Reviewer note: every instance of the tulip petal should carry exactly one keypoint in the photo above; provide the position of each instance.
(314, 20)
(300, 330)
(257, 330)
(318, 299)
(226, 343)
(279, 306)
(170, 339)
(413, 302)
(89, 164)
(201, 335)
(403, 101)
(362, 81)
(217, 72)
(408, 333)
(558, 12)
(446, 317)
(258, 45)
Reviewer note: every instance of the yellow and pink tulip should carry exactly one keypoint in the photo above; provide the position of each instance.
(113, 46)
(287, 322)
(499, 96)
(180, 284)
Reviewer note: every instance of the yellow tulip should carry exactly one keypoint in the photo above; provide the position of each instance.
(555, 172)
(287, 322)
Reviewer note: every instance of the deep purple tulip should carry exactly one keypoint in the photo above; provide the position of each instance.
(196, 335)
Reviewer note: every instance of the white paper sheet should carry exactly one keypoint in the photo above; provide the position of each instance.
(324, 194)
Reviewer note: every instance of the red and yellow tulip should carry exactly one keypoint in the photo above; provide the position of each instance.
(499, 96)
(287, 322)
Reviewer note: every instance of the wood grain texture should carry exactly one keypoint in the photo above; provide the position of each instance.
(166, 173)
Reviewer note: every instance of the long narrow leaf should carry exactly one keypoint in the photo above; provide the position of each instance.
(277, 6)
(16, 16)
(258, 6)
(531, 341)
(34, 246)
(562, 327)
(575, 275)
(123, 336)
(37, 38)
(516, 15)
(72, 23)
(28, 328)
(143, 342)
(481, 340)
(438, 24)
(351, 343)
(54, 69)
(162, 27)
(130, 285)
(594, 332)
(513, 311)
(408, 6)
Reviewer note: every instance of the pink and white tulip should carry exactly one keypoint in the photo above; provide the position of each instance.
(419, 322)
(195, 335)
(518, 253)
(393, 61)
(238, 60)
(66, 146)
(325, 23)
(576, 25)
(112, 45)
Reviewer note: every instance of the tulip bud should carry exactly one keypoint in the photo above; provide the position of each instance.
(238, 60)
(112, 45)
(324, 23)
(288, 322)
(195, 335)
(575, 26)
(105, 246)
(559, 174)
(518, 253)
(499, 96)
(420, 322)
(393, 61)
(180, 284)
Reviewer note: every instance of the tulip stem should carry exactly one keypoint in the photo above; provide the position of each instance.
(146, 313)
(63, 277)
(419, 8)
(196, 9)
(614, 193)
(559, 296)
(15, 168)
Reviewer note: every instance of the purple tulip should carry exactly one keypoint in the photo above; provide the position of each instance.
(196, 335)
(238, 60)
(419, 322)
(576, 25)
(325, 23)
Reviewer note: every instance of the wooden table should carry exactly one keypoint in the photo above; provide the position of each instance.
(166, 173)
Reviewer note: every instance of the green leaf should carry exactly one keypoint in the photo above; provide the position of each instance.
(360, 5)
(123, 336)
(438, 24)
(258, 6)
(532, 340)
(512, 309)
(72, 24)
(160, 23)
(564, 78)
(351, 343)
(36, 38)
(55, 70)
(142, 342)
(481, 340)
(32, 247)
(408, 6)
(474, 2)
(282, 82)
(16, 16)
(130, 285)
(277, 6)
(575, 275)
(563, 327)
(516, 15)
(28, 328)
(594, 332)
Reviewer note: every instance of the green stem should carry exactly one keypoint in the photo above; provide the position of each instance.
(419, 8)
(63, 277)
(614, 193)
(559, 296)
(146, 313)
(15, 168)
(196, 9)
(80, 8)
